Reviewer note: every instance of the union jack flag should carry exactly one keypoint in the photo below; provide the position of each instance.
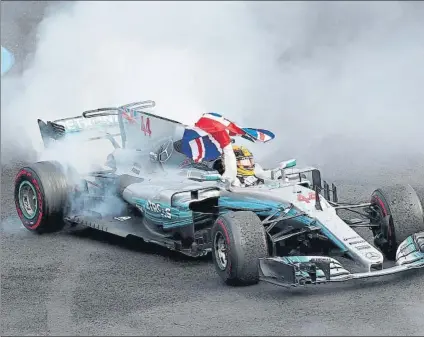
(212, 132)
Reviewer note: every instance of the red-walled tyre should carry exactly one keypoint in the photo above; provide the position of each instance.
(41, 196)
(238, 241)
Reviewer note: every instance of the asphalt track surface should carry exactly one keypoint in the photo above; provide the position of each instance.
(88, 283)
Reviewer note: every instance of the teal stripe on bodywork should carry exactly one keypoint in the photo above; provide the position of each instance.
(249, 203)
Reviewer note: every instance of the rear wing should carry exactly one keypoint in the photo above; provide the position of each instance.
(136, 127)
(97, 119)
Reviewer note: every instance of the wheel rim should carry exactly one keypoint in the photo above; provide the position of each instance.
(221, 250)
(27, 197)
(381, 231)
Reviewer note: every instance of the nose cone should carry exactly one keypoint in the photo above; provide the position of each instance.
(7, 60)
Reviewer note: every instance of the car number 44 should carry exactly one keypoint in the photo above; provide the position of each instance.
(307, 199)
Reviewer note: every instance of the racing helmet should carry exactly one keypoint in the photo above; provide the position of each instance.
(245, 161)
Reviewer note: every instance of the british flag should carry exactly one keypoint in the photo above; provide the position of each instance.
(214, 123)
(212, 133)
(261, 135)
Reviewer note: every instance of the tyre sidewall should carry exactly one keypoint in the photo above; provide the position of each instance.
(403, 206)
(27, 174)
(223, 225)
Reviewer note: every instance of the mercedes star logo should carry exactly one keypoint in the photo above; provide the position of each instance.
(372, 255)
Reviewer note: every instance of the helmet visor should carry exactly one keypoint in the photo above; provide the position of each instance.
(246, 162)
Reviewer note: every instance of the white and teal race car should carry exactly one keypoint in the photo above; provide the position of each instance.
(287, 230)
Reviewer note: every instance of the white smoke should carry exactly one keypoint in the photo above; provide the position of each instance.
(331, 79)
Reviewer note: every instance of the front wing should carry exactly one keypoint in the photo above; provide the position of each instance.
(303, 270)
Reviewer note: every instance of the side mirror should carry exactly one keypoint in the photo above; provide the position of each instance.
(288, 164)
(212, 177)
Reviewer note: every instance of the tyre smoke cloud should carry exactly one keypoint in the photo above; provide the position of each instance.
(333, 80)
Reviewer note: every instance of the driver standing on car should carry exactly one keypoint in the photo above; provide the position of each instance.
(249, 173)
(245, 166)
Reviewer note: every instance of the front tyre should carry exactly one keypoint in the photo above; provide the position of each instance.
(238, 241)
(399, 213)
(41, 195)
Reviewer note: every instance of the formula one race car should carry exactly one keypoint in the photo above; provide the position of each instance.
(286, 230)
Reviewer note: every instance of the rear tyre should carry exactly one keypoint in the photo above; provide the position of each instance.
(238, 241)
(399, 213)
(41, 196)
